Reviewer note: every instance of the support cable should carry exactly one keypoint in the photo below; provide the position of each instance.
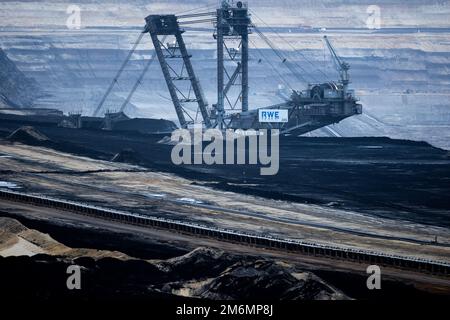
(283, 58)
(114, 81)
(291, 46)
(272, 66)
(139, 81)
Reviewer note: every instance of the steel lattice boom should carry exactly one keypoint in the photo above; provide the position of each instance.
(167, 25)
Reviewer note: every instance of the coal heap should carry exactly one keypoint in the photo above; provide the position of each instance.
(145, 125)
(231, 277)
(28, 135)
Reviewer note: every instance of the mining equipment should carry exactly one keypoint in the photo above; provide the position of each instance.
(319, 105)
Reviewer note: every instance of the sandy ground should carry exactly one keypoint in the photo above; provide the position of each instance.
(18, 240)
(21, 248)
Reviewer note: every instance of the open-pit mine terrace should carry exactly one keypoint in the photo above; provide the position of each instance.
(161, 196)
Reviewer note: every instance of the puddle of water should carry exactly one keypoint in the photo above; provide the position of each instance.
(9, 185)
(190, 200)
(155, 195)
(371, 147)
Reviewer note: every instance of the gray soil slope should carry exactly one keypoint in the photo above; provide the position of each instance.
(16, 90)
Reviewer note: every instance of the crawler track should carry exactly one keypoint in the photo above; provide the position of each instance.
(251, 239)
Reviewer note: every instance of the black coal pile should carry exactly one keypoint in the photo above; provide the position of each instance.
(28, 135)
(152, 126)
(208, 263)
(217, 275)
(261, 279)
(31, 136)
(44, 277)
